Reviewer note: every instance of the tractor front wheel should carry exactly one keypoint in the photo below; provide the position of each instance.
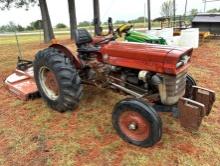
(137, 123)
(190, 82)
(57, 80)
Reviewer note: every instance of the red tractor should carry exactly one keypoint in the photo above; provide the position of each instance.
(154, 76)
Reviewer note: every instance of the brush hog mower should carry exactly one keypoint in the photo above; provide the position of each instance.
(154, 76)
(21, 82)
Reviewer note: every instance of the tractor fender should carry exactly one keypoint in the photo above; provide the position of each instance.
(68, 53)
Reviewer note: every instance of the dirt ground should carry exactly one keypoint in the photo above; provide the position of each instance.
(33, 134)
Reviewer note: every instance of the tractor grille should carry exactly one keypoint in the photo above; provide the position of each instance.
(175, 85)
(172, 88)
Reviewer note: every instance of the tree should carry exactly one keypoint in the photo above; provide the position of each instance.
(60, 25)
(48, 30)
(84, 24)
(120, 22)
(194, 12)
(11, 27)
(73, 21)
(36, 24)
(47, 26)
(213, 10)
(167, 8)
(138, 20)
(29, 28)
(7, 4)
(20, 28)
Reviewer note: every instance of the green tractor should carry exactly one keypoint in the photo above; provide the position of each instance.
(135, 36)
(131, 35)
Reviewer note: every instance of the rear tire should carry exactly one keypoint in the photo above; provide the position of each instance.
(190, 82)
(137, 123)
(57, 80)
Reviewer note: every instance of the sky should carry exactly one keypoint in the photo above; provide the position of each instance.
(117, 9)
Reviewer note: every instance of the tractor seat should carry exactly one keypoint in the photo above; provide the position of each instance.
(83, 40)
(86, 49)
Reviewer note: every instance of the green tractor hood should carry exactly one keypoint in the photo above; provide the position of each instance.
(134, 36)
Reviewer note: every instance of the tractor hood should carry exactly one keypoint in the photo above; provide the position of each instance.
(150, 57)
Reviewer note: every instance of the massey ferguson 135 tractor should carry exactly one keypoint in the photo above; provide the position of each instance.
(154, 76)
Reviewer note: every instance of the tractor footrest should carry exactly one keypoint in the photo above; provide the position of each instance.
(193, 111)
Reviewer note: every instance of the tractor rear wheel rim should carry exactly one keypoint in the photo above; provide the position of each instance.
(189, 89)
(49, 83)
(134, 125)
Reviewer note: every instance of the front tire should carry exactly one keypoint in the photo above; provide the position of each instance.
(137, 123)
(190, 82)
(57, 80)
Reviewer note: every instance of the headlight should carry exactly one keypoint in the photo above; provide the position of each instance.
(105, 57)
(183, 61)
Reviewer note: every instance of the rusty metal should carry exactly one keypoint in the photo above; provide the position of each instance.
(204, 96)
(134, 125)
(191, 113)
(74, 59)
(51, 82)
(22, 84)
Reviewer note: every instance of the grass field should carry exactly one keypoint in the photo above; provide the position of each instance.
(34, 135)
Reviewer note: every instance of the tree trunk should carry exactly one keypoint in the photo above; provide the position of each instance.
(97, 22)
(73, 20)
(47, 27)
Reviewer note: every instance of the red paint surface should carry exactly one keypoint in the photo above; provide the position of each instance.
(22, 84)
(155, 58)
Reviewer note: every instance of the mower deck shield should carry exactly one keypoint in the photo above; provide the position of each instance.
(22, 84)
(192, 111)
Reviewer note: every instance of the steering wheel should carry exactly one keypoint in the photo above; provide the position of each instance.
(124, 28)
(106, 40)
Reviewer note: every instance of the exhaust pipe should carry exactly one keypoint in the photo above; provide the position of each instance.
(137, 95)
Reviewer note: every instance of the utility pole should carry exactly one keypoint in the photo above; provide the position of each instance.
(204, 6)
(144, 15)
(174, 12)
(205, 2)
(186, 8)
(97, 22)
(149, 14)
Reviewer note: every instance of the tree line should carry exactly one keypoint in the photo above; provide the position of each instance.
(35, 25)
(46, 21)
(166, 10)
(137, 20)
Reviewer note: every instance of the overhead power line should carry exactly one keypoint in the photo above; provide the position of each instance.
(205, 1)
